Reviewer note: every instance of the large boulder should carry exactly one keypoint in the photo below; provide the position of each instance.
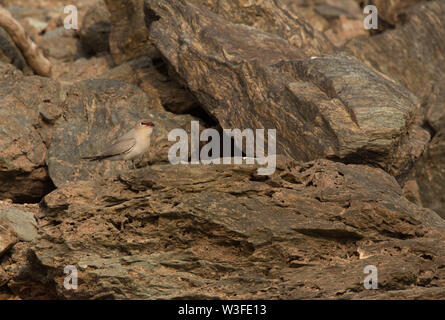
(94, 113)
(329, 106)
(219, 231)
(273, 17)
(128, 35)
(29, 106)
(154, 79)
(95, 29)
(412, 55)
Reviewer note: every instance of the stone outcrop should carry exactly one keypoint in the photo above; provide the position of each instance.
(29, 105)
(359, 178)
(221, 232)
(94, 113)
(412, 54)
(329, 106)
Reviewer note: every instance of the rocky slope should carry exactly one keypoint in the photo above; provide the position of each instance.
(360, 172)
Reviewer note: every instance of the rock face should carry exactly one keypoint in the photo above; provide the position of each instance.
(154, 79)
(95, 113)
(217, 231)
(128, 37)
(392, 10)
(392, 53)
(272, 17)
(95, 29)
(21, 222)
(331, 106)
(28, 104)
(359, 179)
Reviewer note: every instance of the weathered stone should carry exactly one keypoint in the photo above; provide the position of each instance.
(128, 36)
(7, 237)
(330, 106)
(24, 135)
(21, 222)
(339, 21)
(273, 17)
(96, 29)
(143, 73)
(96, 112)
(216, 231)
(412, 55)
(392, 10)
(430, 174)
(62, 44)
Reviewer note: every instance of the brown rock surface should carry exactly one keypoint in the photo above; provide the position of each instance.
(94, 113)
(128, 34)
(95, 29)
(272, 17)
(392, 10)
(362, 119)
(330, 106)
(412, 54)
(217, 231)
(29, 104)
(154, 79)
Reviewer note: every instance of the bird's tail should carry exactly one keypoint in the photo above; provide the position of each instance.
(93, 158)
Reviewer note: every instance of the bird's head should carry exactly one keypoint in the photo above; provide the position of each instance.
(145, 126)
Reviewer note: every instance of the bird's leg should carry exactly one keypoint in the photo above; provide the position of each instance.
(134, 165)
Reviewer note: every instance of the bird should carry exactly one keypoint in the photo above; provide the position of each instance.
(130, 146)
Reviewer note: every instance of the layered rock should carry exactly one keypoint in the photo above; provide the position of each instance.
(94, 113)
(222, 232)
(330, 106)
(95, 31)
(412, 55)
(128, 34)
(29, 105)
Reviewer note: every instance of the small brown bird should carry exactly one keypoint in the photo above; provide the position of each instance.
(130, 146)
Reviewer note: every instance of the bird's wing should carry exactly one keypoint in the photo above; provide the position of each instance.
(121, 146)
(130, 134)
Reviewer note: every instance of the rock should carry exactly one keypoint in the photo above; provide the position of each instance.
(391, 52)
(69, 72)
(128, 35)
(9, 71)
(7, 239)
(24, 135)
(343, 29)
(165, 232)
(272, 17)
(392, 10)
(429, 173)
(62, 44)
(21, 222)
(339, 21)
(10, 54)
(150, 78)
(96, 112)
(96, 29)
(422, 35)
(329, 106)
